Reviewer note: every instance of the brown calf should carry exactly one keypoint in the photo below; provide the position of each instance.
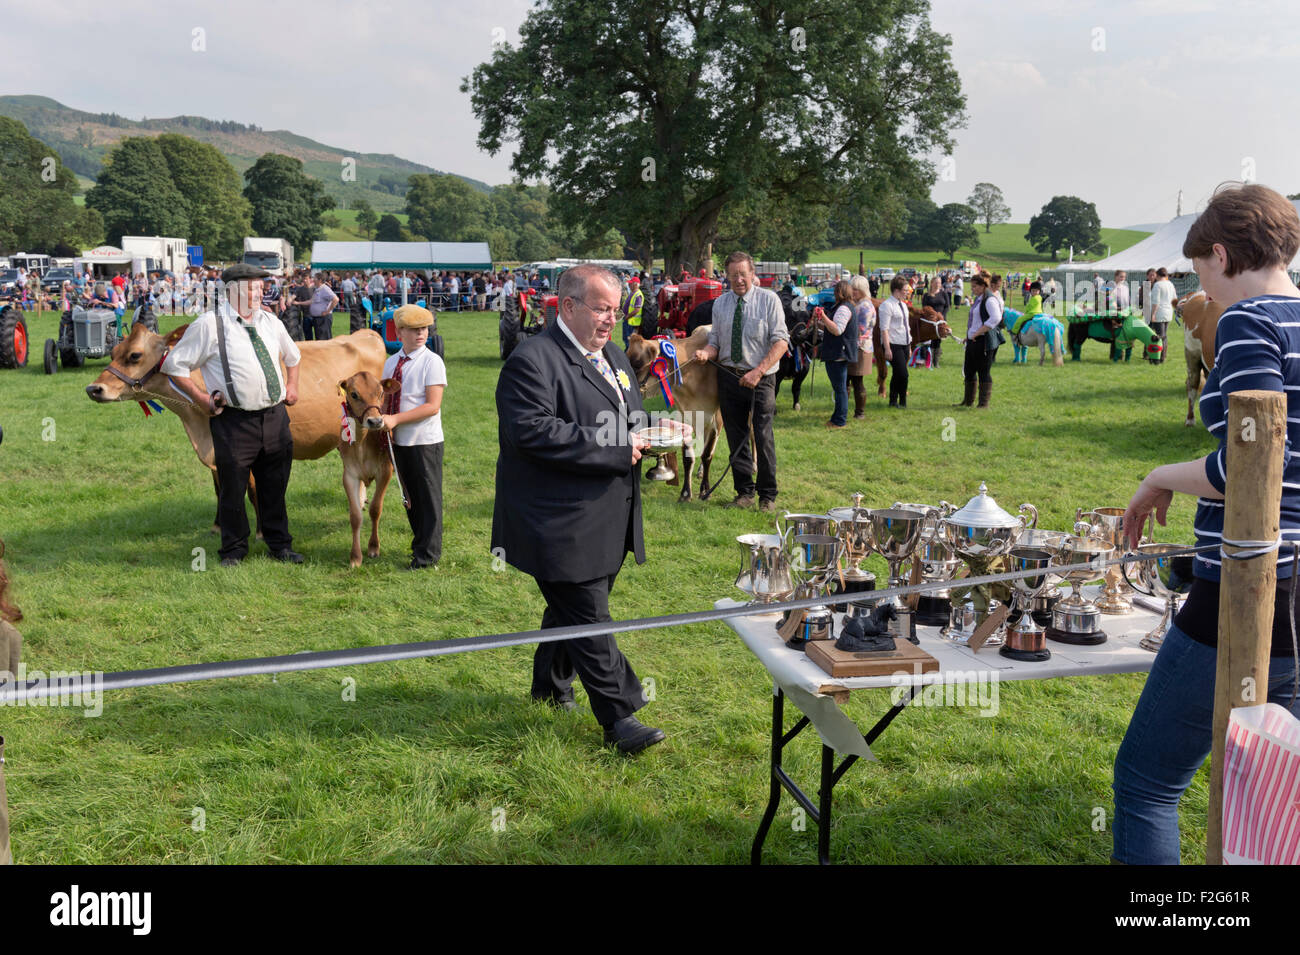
(696, 396)
(365, 457)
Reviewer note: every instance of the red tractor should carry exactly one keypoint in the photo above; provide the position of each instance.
(677, 301)
(527, 312)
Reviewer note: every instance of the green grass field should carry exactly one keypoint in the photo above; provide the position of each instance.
(1004, 249)
(102, 510)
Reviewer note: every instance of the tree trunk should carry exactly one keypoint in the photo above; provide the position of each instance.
(688, 243)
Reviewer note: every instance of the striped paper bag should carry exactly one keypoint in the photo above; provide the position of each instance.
(1261, 787)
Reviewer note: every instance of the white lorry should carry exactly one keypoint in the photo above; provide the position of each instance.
(274, 255)
(157, 252)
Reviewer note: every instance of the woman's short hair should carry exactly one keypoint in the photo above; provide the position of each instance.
(1257, 227)
(980, 278)
(861, 283)
(897, 282)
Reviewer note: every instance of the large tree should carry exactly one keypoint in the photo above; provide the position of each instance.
(135, 193)
(952, 227)
(987, 201)
(447, 208)
(652, 116)
(287, 203)
(219, 215)
(37, 210)
(1066, 220)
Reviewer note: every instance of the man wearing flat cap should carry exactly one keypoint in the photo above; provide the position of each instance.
(238, 347)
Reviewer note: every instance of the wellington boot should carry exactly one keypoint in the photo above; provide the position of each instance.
(986, 392)
(969, 398)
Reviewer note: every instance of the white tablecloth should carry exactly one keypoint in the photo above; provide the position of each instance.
(810, 687)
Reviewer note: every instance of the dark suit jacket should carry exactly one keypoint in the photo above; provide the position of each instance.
(568, 498)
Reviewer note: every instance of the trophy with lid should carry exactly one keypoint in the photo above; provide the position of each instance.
(980, 533)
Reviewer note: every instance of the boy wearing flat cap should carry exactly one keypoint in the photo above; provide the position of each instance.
(412, 414)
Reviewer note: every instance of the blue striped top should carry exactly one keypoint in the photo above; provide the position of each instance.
(1257, 348)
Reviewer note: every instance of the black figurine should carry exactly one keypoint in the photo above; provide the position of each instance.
(868, 634)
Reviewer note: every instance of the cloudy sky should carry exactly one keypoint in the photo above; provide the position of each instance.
(1121, 103)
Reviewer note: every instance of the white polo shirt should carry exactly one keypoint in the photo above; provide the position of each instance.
(198, 349)
(424, 369)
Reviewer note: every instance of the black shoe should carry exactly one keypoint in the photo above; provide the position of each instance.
(421, 565)
(231, 561)
(287, 556)
(631, 736)
(557, 702)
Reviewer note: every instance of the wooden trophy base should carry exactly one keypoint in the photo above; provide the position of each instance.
(905, 656)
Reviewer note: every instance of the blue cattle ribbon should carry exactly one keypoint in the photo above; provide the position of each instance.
(659, 368)
(151, 404)
(669, 350)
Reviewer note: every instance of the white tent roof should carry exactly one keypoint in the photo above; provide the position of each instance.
(401, 255)
(1162, 248)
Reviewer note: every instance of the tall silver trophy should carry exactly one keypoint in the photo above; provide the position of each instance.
(1164, 578)
(1026, 640)
(1108, 525)
(854, 525)
(895, 532)
(814, 558)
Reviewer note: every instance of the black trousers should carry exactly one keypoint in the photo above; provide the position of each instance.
(611, 685)
(734, 400)
(419, 466)
(898, 356)
(258, 442)
(324, 326)
(976, 363)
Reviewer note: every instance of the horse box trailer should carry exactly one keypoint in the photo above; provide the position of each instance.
(169, 255)
(274, 255)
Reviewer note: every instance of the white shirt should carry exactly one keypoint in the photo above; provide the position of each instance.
(424, 369)
(198, 349)
(455, 286)
(585, 352)
(348, 285)
(974, 323)
(508, 287)
(1163, 296)
(894, 322)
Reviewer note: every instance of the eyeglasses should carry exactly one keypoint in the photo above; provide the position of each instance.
(607, 312)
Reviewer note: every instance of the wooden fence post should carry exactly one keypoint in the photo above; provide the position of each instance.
(1256, 440)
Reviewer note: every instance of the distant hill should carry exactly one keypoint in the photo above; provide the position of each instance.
(83, 139)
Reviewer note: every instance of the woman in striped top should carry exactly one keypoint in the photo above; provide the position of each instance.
(1240, 247)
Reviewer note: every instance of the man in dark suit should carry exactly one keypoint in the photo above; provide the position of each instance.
(568, 494)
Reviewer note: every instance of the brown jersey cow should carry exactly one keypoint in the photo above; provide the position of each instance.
(314, 422)
(1200, 325)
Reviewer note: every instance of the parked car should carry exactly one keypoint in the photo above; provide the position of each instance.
(885, 274)
(8, 281)
(52, 281)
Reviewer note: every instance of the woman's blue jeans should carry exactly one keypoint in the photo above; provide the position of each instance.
(838, 373)
(1167, 741)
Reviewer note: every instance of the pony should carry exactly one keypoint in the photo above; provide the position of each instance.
(1045, 332)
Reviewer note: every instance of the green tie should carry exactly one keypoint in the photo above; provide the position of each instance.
(738, 331)
(264, 359)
